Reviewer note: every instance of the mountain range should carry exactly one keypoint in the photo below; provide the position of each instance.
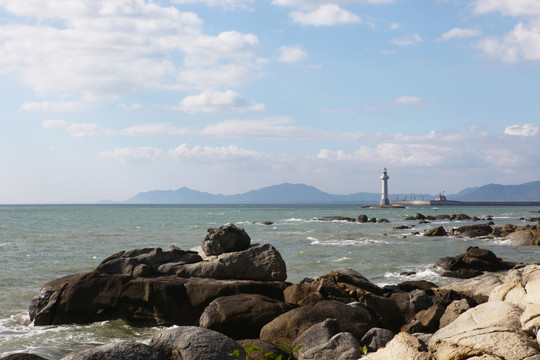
(305, 194)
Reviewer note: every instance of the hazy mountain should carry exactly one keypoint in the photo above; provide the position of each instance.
(305, 194)
(495, 192)
(276, 194)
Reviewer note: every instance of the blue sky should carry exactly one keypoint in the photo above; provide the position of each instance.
(103, 99)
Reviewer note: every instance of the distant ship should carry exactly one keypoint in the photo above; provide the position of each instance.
(441, 197)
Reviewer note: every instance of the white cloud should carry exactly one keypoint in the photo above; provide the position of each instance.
(291, 54)
(225, 4)
(152, 130)
(207, 153)
(102, 48)
(325, 15)
(393, 154)
(217, 101)
(412, 39)
(459, 33)
(272, 128)
(84, 130)
(311, 3)
(128, 154)
(54, 123)
(522, 43)
(508, 7)
(64, 106)
(134, 106)
(408, 100)
(522, 130)
(394, 26)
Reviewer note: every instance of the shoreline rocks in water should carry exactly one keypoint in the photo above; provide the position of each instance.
(218, 308)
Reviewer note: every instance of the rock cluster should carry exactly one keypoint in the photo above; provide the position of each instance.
(493, 316)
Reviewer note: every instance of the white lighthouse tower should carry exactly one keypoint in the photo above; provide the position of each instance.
(384, 195)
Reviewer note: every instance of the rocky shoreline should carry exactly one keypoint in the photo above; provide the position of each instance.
(231, 296)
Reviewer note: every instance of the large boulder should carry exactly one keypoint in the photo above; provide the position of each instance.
(403, 346)
(143, 301)
(259, 262)
(195, 343)
(342, 346)
(525, 237)
(226, 238)
(478, 288)
(315, 336)
(438, 231)
(474, 258)
(472, 231)
(490, 329)
(122, 350)
(145, 261)
(412, 302)
(287, 327)
(242, 316)
(377, 338)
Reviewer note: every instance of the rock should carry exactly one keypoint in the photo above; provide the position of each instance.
(413, 302)
(259, 262)
(462, 273)
(476, 259)
(492, 329)
(122, 350)
(165, 300)
(419, 216)
(194, 343)
(22, 356)
(477, 288)
(453, 311)
(472, 230)
(224, 239)
(384, 309)
(145, 261)
(337, 218)
(287, 327)
(241, 316)
(316, 335)
(525, 237)
(403, 346)
(459, 217)
(342, 346)
(351, 280)
(426, 321)
(438, 231)
(519, 286)
(306, 294)
(401, 227)
(261, 349)
(377, 338)
(362, 218)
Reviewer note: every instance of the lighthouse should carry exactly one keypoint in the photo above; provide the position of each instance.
(384, 195)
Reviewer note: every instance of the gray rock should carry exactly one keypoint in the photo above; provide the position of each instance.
(259, 262)
(377, 338)
(195, 343)
(316, 335)
(403, 346)
(438, 231)
(145, 261)
(453, 311)
(342, 346)
(224, 239)
(287, 327)
(122, 350)
(492, 328)
(242, 316)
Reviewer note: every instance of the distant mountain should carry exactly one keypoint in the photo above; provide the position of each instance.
(494, 192)
(304, 194)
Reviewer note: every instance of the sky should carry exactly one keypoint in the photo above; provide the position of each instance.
(103, 99)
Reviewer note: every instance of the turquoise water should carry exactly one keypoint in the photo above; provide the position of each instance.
(41, 243)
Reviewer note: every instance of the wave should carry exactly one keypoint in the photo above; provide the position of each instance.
(345, 242)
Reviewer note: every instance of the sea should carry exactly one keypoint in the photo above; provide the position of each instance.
(39, 243)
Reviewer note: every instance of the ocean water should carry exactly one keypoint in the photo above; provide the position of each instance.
(40, 243)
